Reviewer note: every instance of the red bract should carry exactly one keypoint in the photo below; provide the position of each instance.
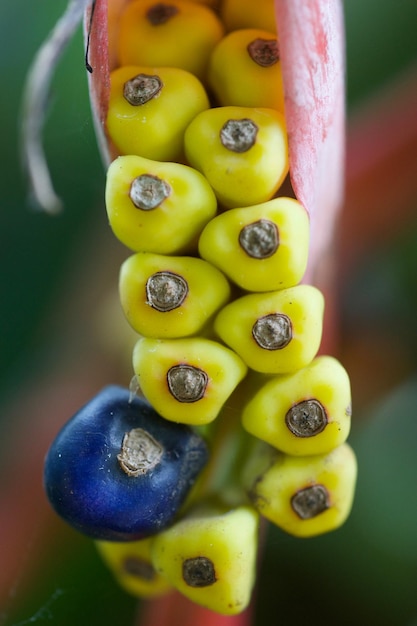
(311, 45)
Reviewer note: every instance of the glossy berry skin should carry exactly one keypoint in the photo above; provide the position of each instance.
(276, 262)
(184, 37)
(154, 127)
(242, 173)
(175, 223)
(87, 485)
(254, 54)
(238, 14)
(205, 290)
(304, 413)
(211, 558)
(187, 380)
(306, 495)
(299, 309)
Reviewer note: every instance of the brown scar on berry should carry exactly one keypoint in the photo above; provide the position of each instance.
(139, 568)
(187, 383)
(265, 52)
(139, 453)
(161, 13)
(199, 572)
(142, 88)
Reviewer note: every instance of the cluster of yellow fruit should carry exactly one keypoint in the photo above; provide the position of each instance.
(196, 112)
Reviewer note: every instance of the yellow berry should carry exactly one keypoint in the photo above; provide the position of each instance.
(307, 496)
(211, 559)
(166, 296)
(175, 33)
(248, 14)
(303, 413)
(131, 564)
(150, 108)
(241, 151)
(157, 207)
(245, 70)
(274, 333)
(187, 380)
(262, 247)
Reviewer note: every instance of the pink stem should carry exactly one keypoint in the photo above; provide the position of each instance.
(312, 45)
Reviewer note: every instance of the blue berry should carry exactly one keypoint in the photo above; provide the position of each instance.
(118, 471)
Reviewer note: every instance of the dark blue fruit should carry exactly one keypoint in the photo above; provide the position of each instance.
(118, 471)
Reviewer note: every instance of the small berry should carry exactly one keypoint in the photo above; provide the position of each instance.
(306, 496)
(118, 471)
(245, 70)
(157, 207)
(211, 558)
(242, 152)
(187, 380)
(274, 333)
(150, 108)
(303, 413)
(260, 248)
(170, 297)
(173, 33)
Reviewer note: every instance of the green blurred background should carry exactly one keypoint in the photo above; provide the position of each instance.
(365, 573)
